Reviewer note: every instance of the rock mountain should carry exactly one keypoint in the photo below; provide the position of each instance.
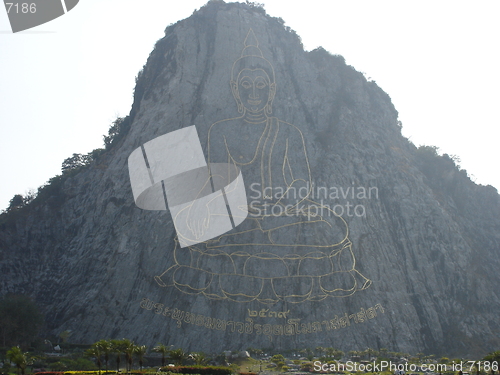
(386, 245)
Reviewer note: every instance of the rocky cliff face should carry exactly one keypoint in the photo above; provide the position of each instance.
(404, 256)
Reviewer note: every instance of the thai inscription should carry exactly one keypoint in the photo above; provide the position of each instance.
(265, 313)
(249, 326)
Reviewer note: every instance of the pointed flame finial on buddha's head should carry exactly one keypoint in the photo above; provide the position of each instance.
(251, 45)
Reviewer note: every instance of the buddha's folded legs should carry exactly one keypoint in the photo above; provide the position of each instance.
(265, 277)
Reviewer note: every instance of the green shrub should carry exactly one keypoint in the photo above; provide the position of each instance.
(201, 370)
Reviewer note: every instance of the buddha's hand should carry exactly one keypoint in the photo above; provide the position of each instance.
(198, 218)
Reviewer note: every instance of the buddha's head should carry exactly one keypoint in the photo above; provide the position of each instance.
(252, 79)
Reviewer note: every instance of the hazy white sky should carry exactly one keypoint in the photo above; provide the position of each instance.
(64, 82)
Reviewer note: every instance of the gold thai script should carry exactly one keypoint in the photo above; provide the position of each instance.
(265, 313)
(292, 326)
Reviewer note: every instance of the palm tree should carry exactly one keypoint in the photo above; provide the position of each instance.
(199, 358)
(106, 348)
(477, 367)
(491, 358)
(163, 349)
(329, 352)
(117, 348)
(140, 350)
(368, 352)
(95, 351)
(307, 352)
(375, 353)
(128, 348)
(384, 353)
(20, 359)
(178, 356)
(353, 353)
(319, 351)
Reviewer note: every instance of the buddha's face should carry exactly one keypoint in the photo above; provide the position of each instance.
(253, 89)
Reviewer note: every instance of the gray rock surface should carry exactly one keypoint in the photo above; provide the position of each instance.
(428, 241)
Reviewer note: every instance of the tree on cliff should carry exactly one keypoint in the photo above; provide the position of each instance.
(76, 161)
(116, 131)
(17, 201)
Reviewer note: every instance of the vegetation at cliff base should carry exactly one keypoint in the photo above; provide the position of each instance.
(102, 356)
(20, 320)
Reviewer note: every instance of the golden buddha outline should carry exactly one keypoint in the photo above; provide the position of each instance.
(283, 251)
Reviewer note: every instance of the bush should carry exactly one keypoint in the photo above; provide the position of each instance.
(202, 370)
(117, 131)
(94, 372)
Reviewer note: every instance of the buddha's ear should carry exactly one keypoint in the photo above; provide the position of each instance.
(272, 91)
(269, 105)
(236, 94)
(234, 90)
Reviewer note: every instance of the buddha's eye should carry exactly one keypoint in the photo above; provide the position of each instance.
(261, 84)
(246, 84)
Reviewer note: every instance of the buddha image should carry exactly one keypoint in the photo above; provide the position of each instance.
(287, 247)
